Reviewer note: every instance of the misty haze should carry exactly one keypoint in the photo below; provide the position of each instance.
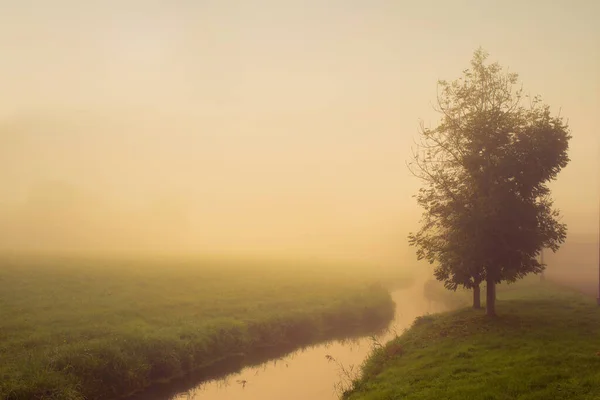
(299, 200)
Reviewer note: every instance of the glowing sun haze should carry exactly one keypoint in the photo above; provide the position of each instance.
(267, 127)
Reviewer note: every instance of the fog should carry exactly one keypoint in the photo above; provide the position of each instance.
(263, 128)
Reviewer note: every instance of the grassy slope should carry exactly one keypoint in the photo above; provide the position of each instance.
(74, 329)
(544, 345)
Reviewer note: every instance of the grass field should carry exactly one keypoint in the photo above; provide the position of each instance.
(543, 345)
(76, 328)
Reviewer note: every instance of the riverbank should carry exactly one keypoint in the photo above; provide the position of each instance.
(543, 345)
(93, 329)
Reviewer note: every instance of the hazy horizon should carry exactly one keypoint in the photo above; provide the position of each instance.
(263, 128)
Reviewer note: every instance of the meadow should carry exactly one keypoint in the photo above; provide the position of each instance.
(543, 345)
(96, 328)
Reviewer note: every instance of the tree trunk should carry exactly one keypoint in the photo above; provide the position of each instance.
(542, 277)
(476, 296)
(490, 306)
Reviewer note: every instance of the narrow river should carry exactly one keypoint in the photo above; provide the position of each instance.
(308, 373)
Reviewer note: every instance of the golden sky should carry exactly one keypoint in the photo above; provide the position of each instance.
(263, 126)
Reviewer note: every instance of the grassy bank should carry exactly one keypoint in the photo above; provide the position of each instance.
(101, 328)
(544, 345)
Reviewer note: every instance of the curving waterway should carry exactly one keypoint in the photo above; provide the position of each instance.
(317, 372)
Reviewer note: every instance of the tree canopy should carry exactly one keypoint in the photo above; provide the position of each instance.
(486, 167)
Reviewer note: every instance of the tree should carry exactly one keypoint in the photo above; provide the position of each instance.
(487, 207)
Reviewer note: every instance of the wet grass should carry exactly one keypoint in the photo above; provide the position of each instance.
(544, 345)
(75, 328)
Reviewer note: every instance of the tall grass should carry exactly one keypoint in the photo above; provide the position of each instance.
(75, 328)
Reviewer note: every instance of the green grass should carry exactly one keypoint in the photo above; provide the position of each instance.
(102, 328)
(543, 345)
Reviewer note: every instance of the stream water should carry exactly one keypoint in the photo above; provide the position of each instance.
(310, 373)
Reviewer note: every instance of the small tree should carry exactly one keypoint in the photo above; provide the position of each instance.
(486, 166)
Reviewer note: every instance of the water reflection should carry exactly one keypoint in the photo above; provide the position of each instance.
(316, 372)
